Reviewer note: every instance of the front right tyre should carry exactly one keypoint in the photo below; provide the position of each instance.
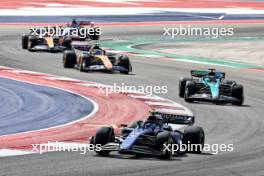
(164, 143)
(69, 59)
(238, 94)
(194, 139)
(124, 62)
(24, 42)
(182, 84)
(189, 90)
(102, 137)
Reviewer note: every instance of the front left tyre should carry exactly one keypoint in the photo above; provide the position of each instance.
(238, 94)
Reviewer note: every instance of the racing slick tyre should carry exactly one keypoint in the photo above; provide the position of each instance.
(32, 42)
(67, 43)
(194, 137)
(125, 62)
(164, 143)
(84, 62)
(102, 137)
(182, 84)
(92, 140)
(238, 94)
(25, 42)
(94, 35)
(69, 59)
(189, 90)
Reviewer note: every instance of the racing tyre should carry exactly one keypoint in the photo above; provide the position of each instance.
(85, 62)
(102, 137)
(94, 35)
(194, 136)
(182, 84)
(238, 93)
(92, 140)
(25, 42)
(32, 42)
(69, 59)
(125, 63)
(164, 139)
(67, 43)
(189, 90)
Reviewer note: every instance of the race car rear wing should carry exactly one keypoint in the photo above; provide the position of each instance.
(82, 47)
(176, 118)
(85, 23)
(199, 73)
(202, 73)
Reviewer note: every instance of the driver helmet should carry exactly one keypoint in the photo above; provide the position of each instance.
(97, 52)
(211, 73)
(74, 22)
(92, 24)
(96, 46)
(212, 79)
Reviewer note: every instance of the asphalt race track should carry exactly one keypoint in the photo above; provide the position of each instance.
(223, 124)
(27, 107)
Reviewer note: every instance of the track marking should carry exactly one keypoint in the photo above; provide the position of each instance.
(13, 152)
(150, 101)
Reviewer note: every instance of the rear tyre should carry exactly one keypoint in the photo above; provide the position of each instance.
(67, 43)
(189, 90)
(102, 137)
(25, 42)
(69, 59)
(238, 93)
(94, 35)
(125, 63)
(182, 84)
(194, 136)
(164, 139)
